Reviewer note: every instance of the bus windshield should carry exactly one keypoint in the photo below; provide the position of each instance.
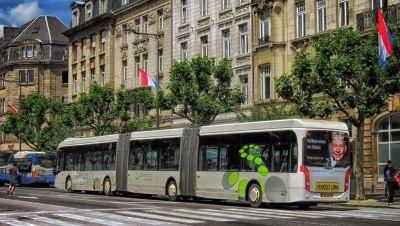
(327, 148)
(46, 161)
(24, 165)
(4, 158)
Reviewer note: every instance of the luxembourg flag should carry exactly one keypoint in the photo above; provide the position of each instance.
(385, 40)
(13, 109)
(147, 81)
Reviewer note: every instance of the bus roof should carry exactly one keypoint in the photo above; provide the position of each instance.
(88, 140)
(154, 134)
(273, 124)
(27, 154)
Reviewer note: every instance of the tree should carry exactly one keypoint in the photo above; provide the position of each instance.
(341, 75)
(199, 90)
(106, 111)
(41, 123)
(267, 111)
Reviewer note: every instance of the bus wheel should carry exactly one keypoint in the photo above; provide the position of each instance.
(172, 191)
(107, 187)
(69, 185)
(255, 195)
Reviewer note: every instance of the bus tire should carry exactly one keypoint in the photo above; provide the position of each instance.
(68, 185)
(254, 195)
(172, 191)
(107, 187)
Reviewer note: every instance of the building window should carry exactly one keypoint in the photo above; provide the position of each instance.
(379, 4)
(184, 12)
(26, 76)
(265, 26)
(31, 51)
(3, 77)
(124, 2)
(75, 18)
(226, 45)
(93, 48)
(125, 69)
(103, 6)
(137, 27)
(88, 11)
(93, 75)
(103, 75)
(301, 19)
(204, 46)
(343, 13)
(83, 81)
(160, 60)
(184, 51)
(137, 66)
(388, 142)
(160, 20)
(243, 39)
(226, 4)
(124, 34)
(265, 82)
(103, 40)
(321, 15)
(31, 77)
(64, 78)
(145, 24)
(83, 47)
(244, 85)
(145, 62)
(204, 8)
(22, 77)
(74, 51)
(243, 1)
(74, 85)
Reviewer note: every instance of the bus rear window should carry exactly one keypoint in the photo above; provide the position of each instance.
(47, 161)
(24, 165)
(326, 148)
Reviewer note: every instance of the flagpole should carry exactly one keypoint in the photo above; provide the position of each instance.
(20, 86)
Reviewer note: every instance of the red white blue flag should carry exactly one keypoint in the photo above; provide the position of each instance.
(147, 81)
(13, 109)
(385, 40)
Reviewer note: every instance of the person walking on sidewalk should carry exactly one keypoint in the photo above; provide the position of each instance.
(389, 164)
(392, 184)
(14, 174)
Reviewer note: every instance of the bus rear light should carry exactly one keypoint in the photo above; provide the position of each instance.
(307, 176)
(347, 180)
(33, 174)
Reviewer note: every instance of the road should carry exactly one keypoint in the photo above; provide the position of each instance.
(50, 206)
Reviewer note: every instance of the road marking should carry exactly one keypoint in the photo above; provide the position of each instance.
(50, 221)
(15, 222)
(173, 213)
(130, 219)
(212, 213)
(186, 221)
(26, 197)
(88, 219)
(280, 212)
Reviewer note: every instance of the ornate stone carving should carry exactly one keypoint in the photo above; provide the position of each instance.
(124, 55)
(243, 60)
(118, 32)
(202, 23)
(167, 11)
(240, 10)
(183, 30)
(140, 47)
(225, 16)
(152, 18)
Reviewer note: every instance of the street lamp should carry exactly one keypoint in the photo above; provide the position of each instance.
(157, 38)
(19, 100)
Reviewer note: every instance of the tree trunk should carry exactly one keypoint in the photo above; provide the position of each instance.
(358, 162)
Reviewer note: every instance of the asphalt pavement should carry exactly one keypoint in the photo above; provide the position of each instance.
(377, 200)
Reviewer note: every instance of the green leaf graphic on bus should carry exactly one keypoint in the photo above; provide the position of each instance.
(137, 177)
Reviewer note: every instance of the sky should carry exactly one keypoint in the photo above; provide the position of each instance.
(14, 13)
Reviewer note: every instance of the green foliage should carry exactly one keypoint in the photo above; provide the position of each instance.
(268, 111)
(42, 123)
(199, 90)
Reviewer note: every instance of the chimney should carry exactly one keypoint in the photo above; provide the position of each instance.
(8, 32)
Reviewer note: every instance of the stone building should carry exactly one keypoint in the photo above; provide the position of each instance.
(104, 45)
(32, 59)
(280, 28)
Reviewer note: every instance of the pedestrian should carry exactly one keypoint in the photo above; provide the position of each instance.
(14, 174)
(389, 164)
(392, 183)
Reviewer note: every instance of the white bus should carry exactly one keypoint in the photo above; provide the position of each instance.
(302, 162)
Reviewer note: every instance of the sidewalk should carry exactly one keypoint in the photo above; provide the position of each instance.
(376, 200)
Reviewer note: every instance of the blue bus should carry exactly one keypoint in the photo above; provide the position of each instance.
(34, 167)
(4, 167)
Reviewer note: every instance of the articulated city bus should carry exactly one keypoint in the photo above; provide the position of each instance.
(34, 167)
(302, 162)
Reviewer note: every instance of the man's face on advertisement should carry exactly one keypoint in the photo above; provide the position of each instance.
(338, 149)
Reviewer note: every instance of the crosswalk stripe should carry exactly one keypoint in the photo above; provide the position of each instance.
(15, 222)
(50, 221)
(350, 214)
(130, 219)
(205, 212)
(247, 214)
(272, 213)
(190, 216)
(186, 221)
(88, 219)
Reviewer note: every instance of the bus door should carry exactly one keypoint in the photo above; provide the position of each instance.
(150, 174)
(135, 172)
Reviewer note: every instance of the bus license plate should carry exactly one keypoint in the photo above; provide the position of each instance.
(327, 186)
(326, 195)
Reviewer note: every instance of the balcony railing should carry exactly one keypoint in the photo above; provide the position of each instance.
(264, 40)
(368, 20)
(133, 83)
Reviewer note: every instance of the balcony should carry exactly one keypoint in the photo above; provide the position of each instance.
(368, 20)
(132, 83)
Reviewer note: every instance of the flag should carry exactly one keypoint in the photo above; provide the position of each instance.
(147, 81)
(13, 109)
(385, 40)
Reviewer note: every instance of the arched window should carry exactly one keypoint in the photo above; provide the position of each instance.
(388, 142)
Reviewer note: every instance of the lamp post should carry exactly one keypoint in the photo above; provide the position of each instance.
(157, 38)
(19, 102)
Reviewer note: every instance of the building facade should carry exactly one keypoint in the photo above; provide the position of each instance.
(32, 59)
